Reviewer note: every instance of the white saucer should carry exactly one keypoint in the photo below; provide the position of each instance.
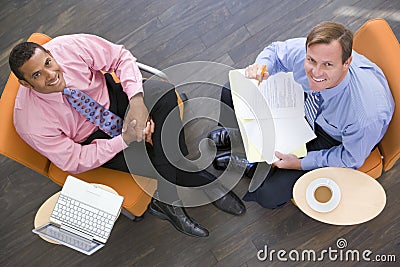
(319, 206)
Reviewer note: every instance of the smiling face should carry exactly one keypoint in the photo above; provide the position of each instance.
(323, 65)
(42, 73)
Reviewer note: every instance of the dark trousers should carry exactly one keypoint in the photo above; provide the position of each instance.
(152, 160)
(277, 187)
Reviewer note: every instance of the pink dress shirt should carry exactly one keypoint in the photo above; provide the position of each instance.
(51, 126)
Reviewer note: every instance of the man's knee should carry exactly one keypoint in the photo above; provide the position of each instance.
(158, 94)
(277, 188)
(155, 89)
(271, 199)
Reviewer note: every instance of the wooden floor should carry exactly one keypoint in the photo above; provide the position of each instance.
(163, 33)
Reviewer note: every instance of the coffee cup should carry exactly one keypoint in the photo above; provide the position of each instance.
(323, 195)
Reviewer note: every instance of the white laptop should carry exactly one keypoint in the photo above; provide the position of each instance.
(83, 216)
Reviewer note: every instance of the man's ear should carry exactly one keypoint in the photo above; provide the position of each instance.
(25, 83)
(348, 61)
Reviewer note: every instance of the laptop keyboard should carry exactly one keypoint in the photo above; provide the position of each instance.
(92, 221)
(69, 239)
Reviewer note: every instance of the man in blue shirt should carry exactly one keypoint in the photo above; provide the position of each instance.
(354, 108)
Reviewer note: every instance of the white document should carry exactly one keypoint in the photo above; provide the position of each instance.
(270, 116)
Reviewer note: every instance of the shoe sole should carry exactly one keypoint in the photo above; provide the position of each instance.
(162, 216)
(158, 214)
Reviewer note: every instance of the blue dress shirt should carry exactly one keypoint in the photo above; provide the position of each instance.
(356, 112)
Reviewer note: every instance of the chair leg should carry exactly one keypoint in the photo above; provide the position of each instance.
(130, 216)
(183, 96)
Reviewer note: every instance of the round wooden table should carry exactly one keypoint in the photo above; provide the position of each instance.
(362, 197)
(43, 214)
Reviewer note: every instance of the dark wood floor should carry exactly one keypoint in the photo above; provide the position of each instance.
(163, 33)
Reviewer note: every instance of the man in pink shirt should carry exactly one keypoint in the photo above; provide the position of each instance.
(45, 119)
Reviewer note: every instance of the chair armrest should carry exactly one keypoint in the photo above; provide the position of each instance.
(152, 70)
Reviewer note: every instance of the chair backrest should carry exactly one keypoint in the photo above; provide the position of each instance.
(376, 40)
(11, 145)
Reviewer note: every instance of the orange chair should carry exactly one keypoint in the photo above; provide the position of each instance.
(136, 199)
(376, 40)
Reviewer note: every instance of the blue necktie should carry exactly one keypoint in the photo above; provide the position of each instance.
(312, 107)
(107, 121)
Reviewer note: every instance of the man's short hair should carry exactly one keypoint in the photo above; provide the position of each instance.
(328, 31)
(20, 54)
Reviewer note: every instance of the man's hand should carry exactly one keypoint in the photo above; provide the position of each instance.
(148, 131)
(287, 161)
(137, 112)
(255, 71)
(130, 133)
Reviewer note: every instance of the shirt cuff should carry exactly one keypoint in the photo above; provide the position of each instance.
(267, 63)
(117, 143)
(308, 162)
(132, 91)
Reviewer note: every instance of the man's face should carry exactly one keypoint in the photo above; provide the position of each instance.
(324, 67)
(42, 73)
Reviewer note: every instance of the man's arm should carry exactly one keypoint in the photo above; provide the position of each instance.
(278, 57)
(102, 55)
(283, 56)
(72, 157)
(139, 114)
(125, 67)
(356, 145)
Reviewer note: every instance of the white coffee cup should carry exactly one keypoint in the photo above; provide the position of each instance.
(323, 195)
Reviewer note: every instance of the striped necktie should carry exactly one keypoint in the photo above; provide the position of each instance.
(312, 107)
(106, 120)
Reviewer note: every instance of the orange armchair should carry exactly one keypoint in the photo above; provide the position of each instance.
(136, 199)
(376, 40)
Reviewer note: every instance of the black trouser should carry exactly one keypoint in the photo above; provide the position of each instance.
(277, 187)
(150, 160)
(227, 116)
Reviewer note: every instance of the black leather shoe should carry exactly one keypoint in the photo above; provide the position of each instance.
(239, 162)
(221, 139)
(177, 217)
(231, 204)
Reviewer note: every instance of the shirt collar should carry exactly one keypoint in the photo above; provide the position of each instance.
(338, 89)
